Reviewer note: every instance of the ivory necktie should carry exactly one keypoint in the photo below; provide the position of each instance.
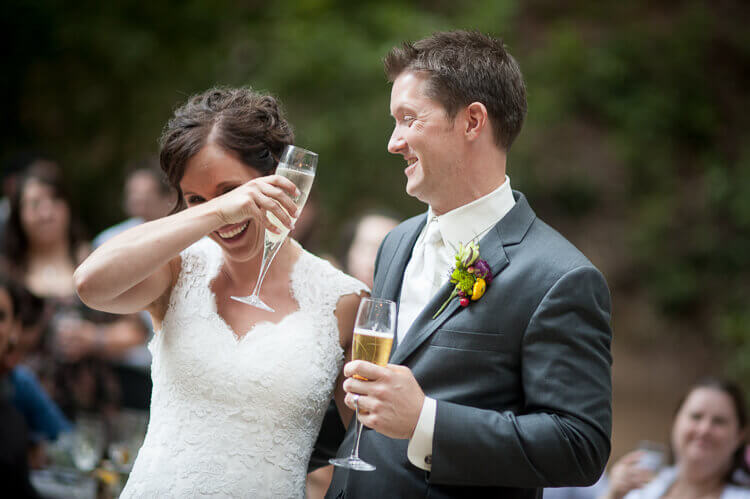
(434, 262)
(426, 273)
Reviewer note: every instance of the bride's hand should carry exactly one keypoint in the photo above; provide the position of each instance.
(253, 199)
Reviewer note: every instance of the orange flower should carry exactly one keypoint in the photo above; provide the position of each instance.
(480, 286)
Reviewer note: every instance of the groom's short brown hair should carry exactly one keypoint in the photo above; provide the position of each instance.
(465, 67)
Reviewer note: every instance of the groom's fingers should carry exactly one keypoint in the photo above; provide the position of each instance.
(353, 385)
(362, 401)
(367, 370)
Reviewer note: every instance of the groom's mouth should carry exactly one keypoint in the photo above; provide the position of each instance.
(410, 166)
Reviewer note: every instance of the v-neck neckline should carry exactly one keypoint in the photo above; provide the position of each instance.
(236, 338)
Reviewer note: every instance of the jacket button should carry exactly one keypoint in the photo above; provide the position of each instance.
(428, 460)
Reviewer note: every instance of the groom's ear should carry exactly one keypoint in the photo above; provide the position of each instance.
(476, 120)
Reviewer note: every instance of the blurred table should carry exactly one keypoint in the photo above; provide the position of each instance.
(59, 483)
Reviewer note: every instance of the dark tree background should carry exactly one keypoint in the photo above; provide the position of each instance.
(635, 147)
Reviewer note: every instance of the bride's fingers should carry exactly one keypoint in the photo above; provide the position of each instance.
(284, 183)
(280, 195)
(266, 203)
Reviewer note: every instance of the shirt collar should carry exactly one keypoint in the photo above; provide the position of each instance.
(473, 220)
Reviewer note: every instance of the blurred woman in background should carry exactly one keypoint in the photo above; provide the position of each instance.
(43, 243)
(709, 435)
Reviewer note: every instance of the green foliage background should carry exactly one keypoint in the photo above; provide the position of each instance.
(635, 147)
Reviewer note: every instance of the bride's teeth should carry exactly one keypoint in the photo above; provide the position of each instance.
(232, 233)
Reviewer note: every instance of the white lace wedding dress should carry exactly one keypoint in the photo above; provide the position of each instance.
(238, 418)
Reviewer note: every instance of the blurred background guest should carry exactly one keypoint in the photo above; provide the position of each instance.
(361, 240)
(709, 435)
(14, 469)
(13, 170)
(43, 244)
(44, 419)
(146, 197)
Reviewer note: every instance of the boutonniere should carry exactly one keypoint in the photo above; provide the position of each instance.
(471, 275)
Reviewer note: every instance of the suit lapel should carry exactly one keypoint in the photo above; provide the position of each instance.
(396, 262)
(510, 230)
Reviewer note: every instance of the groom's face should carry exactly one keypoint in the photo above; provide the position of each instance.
(429, 141)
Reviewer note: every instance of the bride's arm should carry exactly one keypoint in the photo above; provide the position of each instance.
(134, 269)
(346, 313)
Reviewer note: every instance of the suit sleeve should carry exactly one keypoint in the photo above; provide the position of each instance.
(562, 437)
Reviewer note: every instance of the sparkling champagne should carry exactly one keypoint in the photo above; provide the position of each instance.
(373, 338)
(372, 346)
(298, 165)
(303, 180)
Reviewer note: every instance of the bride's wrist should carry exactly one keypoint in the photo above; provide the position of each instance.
(208, 215)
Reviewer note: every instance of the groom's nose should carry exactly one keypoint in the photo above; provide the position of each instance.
(396, 144)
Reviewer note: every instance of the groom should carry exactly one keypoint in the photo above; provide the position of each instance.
(511, 393)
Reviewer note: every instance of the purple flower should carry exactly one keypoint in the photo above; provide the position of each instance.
(482, 269)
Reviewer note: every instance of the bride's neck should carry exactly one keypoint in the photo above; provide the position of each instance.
(242, 274)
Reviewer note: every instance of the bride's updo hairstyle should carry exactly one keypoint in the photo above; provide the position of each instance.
(249, 124)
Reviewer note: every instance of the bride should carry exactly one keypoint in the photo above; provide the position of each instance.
(239, 393)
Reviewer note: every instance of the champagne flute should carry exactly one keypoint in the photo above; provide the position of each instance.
(298, 165)
(654, 455)
(373, 338)
(88, 443)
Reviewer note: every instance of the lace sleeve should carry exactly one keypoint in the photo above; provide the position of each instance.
(347, 285)
(324, 284)
(199, 262)
(318, 286)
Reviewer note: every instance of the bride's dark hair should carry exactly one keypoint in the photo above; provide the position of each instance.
(249, 124)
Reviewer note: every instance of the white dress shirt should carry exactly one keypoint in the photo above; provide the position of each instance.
(422, 280)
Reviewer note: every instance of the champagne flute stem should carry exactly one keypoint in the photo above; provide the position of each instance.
(355, 450)
(264, 266)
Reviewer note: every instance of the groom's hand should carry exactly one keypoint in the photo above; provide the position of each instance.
(390, 401)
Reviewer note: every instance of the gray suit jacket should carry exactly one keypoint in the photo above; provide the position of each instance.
(521, 377)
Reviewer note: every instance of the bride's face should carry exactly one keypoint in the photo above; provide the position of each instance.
(211, 173)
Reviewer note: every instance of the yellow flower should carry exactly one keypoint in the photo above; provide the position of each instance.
(479, 288)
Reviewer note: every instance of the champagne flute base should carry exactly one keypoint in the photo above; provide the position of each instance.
(352, 463)
(254, 301)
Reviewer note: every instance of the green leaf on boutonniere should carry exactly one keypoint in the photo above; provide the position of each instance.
(454, 293)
